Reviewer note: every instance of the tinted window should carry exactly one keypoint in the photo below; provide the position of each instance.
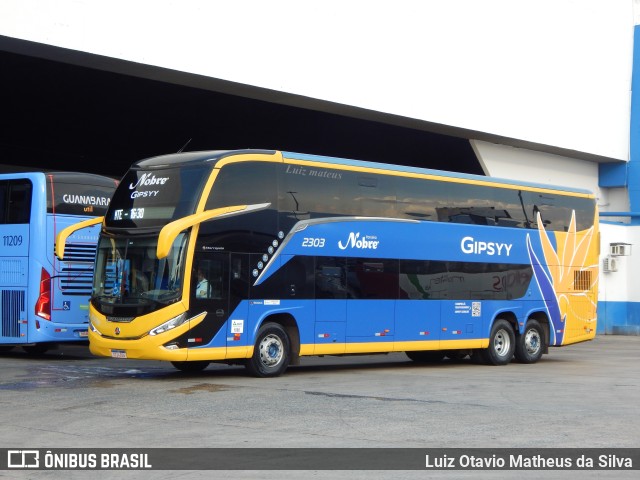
(3, 201)
(463, 280)
(421, 279)
(307, 192)
(245, 183)
(331, 278)
(376, 195)
(15, 201)
(421, 199)
(425, 199)
(555, 211)
(480, 205)
(293, 280)
(373, 278)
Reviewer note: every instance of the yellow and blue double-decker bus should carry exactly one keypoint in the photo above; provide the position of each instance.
(45, 301)
(262, 257)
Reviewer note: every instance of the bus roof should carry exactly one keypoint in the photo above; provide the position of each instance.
(428, 171)
(198, 157)
(66, 177)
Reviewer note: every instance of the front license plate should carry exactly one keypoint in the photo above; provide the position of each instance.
(118, 354)
(83, 333)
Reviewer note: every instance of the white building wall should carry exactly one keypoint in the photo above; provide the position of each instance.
(554, 72)
(522, 164)
(621, 285)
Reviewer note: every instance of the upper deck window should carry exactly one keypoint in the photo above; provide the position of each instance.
(15, 201)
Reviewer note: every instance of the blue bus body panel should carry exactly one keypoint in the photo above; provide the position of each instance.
(462, 319)
(420, 319)
(410, 240)
(14, 279)
(370, 321)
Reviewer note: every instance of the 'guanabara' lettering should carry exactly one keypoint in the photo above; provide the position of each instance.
(85, 199)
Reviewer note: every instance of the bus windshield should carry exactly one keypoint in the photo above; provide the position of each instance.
(155, 198)
(129, 275)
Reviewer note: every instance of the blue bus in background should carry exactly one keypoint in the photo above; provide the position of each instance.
(45, 301)
(261, 257)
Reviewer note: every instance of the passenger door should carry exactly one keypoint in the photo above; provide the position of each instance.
(215, 299)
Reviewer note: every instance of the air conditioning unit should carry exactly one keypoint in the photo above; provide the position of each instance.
(619, 249)
(610, 264)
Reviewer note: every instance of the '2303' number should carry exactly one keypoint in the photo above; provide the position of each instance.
(12, 240)
(312, 242)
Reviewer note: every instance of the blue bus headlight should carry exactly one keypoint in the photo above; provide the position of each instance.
(166, 326)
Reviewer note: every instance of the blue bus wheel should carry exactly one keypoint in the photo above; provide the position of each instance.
(502, 345)
(271, 353)
(531, 344)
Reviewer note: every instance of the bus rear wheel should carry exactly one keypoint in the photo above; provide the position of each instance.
(502, 345)
(191, 367)
(271, 353)
(531, 344)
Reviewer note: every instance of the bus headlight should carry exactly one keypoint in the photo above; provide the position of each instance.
(94, 329)
(171, 324)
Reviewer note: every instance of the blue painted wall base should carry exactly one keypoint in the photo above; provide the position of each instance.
(618, 318)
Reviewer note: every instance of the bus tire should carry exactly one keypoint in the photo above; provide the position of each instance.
(502, 345)
(36, 350)
(456, 355)
(426, 356)
(271, 353)
(191, 367)
(531, 344)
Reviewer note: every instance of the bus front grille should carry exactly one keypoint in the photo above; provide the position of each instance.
(76, 272)
(12, 311)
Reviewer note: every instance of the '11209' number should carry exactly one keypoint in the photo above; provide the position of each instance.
(11, 240)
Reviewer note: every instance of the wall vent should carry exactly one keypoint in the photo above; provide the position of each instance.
(610, 264)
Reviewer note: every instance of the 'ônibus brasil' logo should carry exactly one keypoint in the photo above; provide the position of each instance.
(354, 241)
(148, 179)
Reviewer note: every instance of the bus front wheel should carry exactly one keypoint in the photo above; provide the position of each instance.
(502, 345)
(530, 345)
(271, 353)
